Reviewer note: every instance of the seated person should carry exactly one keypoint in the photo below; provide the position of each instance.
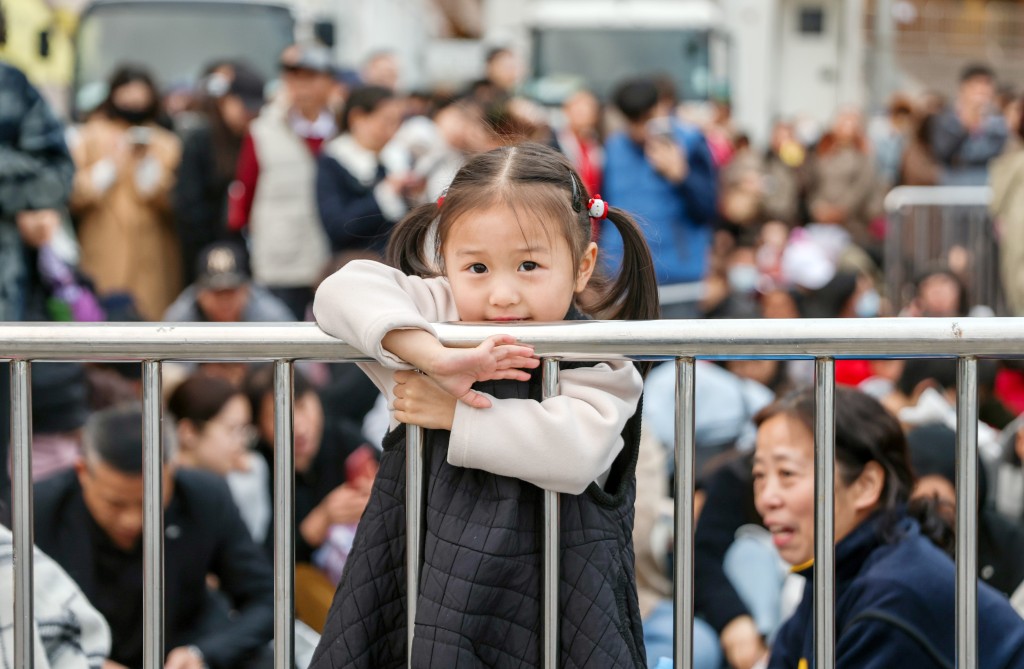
(68, 632)
(224, 292)
(90, 521)
(895, 590)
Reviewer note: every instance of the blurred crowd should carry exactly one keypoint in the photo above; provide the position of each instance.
(231, 202)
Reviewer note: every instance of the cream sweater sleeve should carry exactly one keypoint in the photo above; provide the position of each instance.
(560, 444)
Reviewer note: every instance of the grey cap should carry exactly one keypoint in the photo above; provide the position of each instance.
(312, 57)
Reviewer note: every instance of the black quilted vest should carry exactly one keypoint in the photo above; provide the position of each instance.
(480, 588)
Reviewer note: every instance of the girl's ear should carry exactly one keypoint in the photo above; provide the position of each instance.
(868, 487)
(588, 263)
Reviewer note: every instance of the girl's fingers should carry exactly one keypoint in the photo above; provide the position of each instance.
(475, 400)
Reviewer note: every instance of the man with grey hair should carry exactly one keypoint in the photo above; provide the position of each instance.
(90, 521)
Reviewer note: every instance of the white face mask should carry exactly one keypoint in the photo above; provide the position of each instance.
(868, 304)
(743, 279)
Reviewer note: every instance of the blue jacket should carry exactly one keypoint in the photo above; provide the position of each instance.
(895, 608)
(675, 218)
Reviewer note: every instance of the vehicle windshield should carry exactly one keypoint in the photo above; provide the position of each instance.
(176, 40)
(601, 58)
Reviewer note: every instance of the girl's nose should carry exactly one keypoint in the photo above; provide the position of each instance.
(503, 294)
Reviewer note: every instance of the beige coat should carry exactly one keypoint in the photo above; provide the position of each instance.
(122, 201)
(1007, 177)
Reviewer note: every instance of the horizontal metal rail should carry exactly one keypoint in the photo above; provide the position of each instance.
(682, 341)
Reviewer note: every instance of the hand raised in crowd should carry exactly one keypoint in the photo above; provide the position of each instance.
(38, 227)
(420, 401)
(743, 644)
(667, 158)
(184, 658)
(343, 505)
(455, 370)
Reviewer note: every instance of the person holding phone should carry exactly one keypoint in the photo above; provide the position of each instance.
(121, 197)
(661, 169)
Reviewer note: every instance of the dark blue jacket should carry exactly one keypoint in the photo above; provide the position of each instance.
(348, 208)
(895, 608)
(676, 219)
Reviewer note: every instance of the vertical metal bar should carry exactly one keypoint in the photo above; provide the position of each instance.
(967, 513)
(414, 510)
(153, 516)
(824, 510)
(21, 455)
(552, 538)
(685, 480)
(284, 516)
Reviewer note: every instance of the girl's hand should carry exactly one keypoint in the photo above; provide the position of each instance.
(455, 370)
(420, 401)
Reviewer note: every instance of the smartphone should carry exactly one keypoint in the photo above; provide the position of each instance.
(660, 128)
(140, 135)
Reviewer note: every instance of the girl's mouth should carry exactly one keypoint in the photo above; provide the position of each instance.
(506, 319)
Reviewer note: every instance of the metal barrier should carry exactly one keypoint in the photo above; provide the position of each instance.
(925, 223)
(682, 341)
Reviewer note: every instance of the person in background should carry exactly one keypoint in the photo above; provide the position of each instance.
(503, 70)
(844, 188)
(68, 632)
(215, 433)
(661, 171)
(785, 176)
(90, 521)
(36, 173)
(231, 97)
(126, 170)
(274, 192)
(889, 136)
(224, 293)
(1007, 206)
(895, 589)
(381, 68)
(581, 139)
(971, 132)
(358, 201)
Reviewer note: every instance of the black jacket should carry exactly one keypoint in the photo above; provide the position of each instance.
(204, 534)
(480, 593)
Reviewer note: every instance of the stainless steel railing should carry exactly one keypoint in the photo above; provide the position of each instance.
(682, 341)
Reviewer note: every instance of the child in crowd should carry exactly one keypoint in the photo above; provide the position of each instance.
(510, 241)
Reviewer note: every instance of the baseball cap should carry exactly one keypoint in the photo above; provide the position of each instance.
(222, 265)
(248, 85)
(312, 57)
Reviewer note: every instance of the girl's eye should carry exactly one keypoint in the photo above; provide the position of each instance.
(528, 266)
(478, 268)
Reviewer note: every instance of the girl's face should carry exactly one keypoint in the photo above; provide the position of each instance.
(373, 130)
(784, 489)
(222, 444)
(504, 268)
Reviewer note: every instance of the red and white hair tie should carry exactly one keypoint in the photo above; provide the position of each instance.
(597, 208)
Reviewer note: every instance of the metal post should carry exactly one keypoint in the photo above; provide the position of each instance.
(21, 456)
(967, 513)
(414, 510)
(284, 516)
(686, 475)
(551, 544)
(824, 513)
(153, 516)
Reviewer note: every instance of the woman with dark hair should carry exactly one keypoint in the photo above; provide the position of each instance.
(359, 201)
(126, 166)
(894, 587)
(231, 97)
(1007, 179)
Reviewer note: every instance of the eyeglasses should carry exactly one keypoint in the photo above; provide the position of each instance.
(246, 433)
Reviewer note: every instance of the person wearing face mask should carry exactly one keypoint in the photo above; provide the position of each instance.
(121, 197)
(359, 202)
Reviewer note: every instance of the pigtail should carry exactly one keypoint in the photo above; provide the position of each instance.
(411, 246)
(633, 293)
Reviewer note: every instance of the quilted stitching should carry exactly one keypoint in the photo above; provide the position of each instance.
(480, 587)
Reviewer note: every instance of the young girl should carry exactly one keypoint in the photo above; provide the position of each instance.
(510, 242)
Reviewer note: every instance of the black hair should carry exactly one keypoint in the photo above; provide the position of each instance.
(535, 178)
(129, 74)
(865, 432)
(635, 98)
(976, 70)
(114, 437)
(200, 398)
(259, 382)
(365, 99)
(963, 300)
(494, 52)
